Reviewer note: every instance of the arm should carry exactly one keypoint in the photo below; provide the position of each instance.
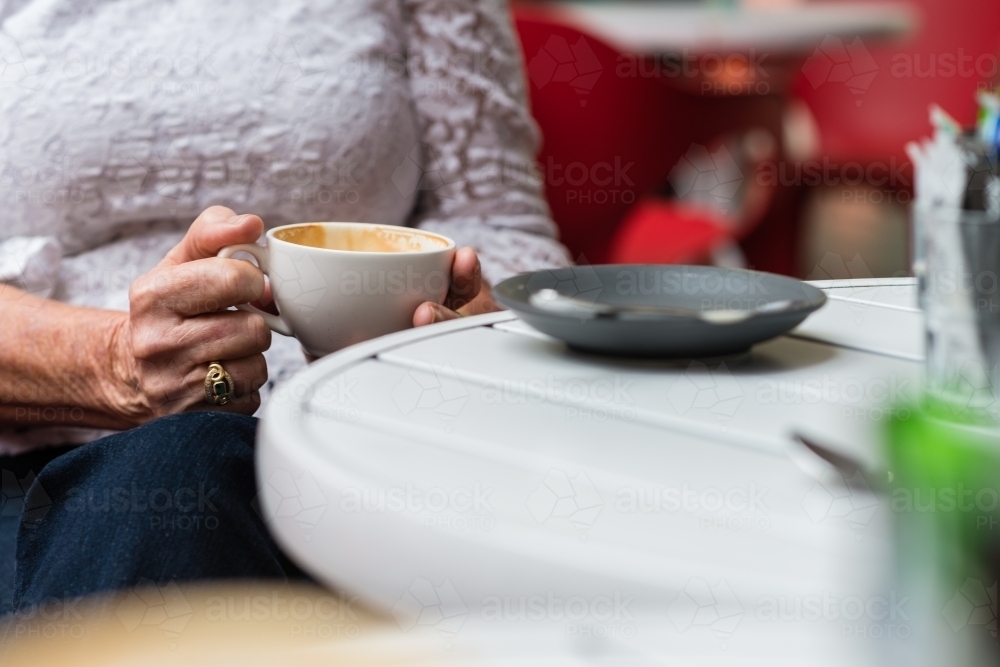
(57, 362)
(66, 365)
(479, 139)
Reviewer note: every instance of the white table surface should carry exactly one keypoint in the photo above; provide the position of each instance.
(558, 441)
(654, 27)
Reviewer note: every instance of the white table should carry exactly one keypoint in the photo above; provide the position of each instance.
(657, 27)
(448, 468)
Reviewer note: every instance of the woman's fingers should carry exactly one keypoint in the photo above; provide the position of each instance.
(483, 303)
(429, 312)
(249, 374)
(203, 286)
(466, 279)
(225, 335)
(468, 295)
(245, 405)
(179, 320)
(169, 391)
(266, 301)
(213, 230)
(202, 339)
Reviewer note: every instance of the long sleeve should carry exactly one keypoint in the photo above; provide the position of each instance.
(31, 263)
(479, 184)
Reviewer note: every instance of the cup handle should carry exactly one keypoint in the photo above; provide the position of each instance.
(260, 254)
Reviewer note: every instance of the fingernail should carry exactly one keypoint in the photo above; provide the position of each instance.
(237, 219)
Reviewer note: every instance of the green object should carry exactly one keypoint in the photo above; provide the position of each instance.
(949, 471)
(945, 497)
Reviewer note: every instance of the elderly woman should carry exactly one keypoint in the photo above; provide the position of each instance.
(121, 122)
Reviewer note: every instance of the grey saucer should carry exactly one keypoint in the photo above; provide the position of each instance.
(641, 310)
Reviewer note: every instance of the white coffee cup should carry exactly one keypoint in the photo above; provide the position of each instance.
(340, 283)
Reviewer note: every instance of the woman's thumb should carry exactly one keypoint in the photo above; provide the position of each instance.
(213, 230)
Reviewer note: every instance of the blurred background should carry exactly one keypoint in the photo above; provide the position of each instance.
(768, 134)
(762, 133)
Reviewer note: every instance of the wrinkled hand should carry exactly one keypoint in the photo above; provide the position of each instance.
(179, 322)
(468, 295)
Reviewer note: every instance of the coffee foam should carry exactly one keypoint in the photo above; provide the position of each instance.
(360, 239)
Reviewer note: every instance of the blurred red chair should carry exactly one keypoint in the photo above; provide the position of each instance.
(869, 103)
(660, 231)
(610, 139)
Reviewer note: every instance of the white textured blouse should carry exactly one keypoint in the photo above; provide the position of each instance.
(121, 120)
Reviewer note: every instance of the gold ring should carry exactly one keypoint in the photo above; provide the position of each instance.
(219, 386)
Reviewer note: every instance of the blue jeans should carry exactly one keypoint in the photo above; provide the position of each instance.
(172, 500)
